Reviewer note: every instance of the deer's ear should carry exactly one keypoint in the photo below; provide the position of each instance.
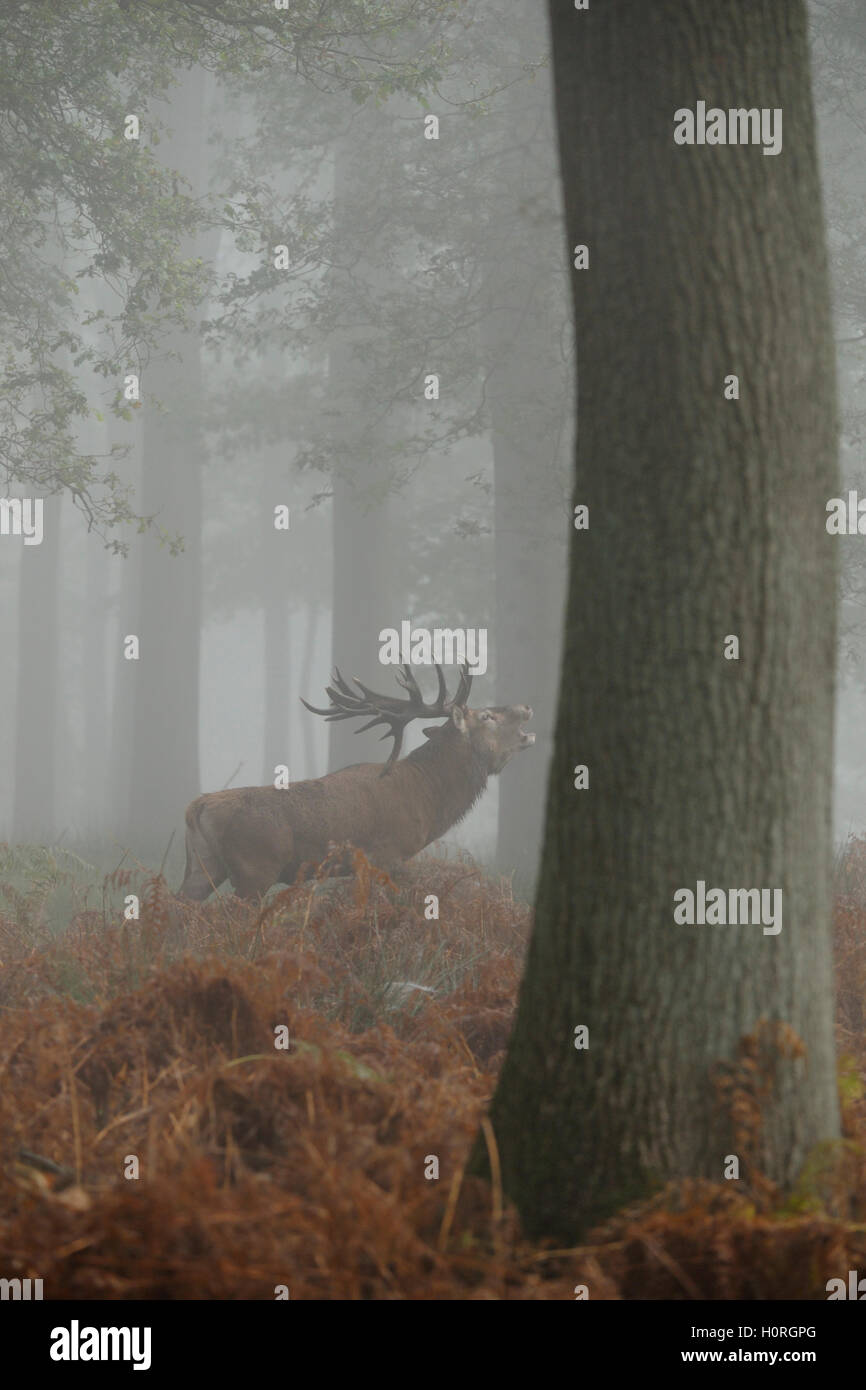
(458, 719)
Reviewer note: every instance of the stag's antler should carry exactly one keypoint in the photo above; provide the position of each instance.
(390, 709)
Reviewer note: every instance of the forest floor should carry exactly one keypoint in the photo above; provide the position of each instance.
(158, 1141)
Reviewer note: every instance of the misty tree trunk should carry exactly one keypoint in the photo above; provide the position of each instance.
(361, 608)
(34, 797)
(278, 628)
(362, 605)
(165, 757)
(529, 393)
(97, 618)
(96, 746)
(125, 603)
(529, 554)
(277, 623)
(706, 520)
(306, 680)
(95, 621)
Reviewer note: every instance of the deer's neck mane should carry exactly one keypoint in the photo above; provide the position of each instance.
(454, 774)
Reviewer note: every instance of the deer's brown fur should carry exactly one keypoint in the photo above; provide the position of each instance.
(258, 836)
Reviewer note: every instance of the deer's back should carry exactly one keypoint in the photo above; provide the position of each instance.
(356, 804)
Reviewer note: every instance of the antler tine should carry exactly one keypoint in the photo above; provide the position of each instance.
(389, 710)
(330, 713)
(395, 751)
(442, 696)
(345, 704)
(371, 723)
(393, 730)
(408, 682)
(441, 705)
(346, 692)
(377, 701)
(463, 689)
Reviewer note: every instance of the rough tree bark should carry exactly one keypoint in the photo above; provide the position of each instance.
(706, 519)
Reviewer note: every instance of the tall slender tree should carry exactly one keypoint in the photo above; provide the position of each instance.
(706, 523)
(125, 604)
(165, 732)
(363, 601)
(277, 622)
(34, 807)
(525, 346)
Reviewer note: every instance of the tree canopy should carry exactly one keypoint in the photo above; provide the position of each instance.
(84, 199)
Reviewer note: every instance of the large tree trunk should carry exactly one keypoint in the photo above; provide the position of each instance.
(706, 519)
(165, 755)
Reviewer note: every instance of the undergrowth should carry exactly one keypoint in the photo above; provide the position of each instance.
(209, 1101)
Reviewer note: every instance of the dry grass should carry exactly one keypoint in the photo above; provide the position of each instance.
(152, 1042)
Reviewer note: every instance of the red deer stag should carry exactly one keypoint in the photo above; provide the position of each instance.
(258, 836)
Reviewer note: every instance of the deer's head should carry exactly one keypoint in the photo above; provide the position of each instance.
(495, 733)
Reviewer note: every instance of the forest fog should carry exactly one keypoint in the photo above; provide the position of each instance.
(401, 385)
(309, 387)
(383, 351)
(418, 788)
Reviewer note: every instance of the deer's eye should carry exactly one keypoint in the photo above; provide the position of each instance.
(486, 715)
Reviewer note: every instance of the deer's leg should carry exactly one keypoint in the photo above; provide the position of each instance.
(248, 889)
(251, 878)
(256, 855)
(204, 870)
